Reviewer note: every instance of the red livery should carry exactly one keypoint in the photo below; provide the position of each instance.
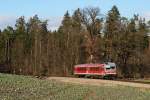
(102, 70)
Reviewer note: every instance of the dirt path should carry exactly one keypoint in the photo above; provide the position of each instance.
(98, 82)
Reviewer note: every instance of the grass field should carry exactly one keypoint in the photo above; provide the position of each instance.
(13, 87)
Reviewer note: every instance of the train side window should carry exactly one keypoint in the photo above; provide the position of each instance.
(94, 68)
(82, 68)
(101, 68)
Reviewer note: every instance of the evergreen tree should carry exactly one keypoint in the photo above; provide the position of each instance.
(18, 46)
(112, 30)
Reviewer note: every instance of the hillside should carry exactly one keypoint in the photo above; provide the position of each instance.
(13, 87)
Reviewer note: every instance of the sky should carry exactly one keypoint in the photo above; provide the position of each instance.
(53, 10)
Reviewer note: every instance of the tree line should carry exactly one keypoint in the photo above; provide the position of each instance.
(86, 36)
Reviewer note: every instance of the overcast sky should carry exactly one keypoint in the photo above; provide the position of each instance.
(55, 9)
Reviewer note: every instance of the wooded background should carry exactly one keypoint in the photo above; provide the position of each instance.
(86, 36)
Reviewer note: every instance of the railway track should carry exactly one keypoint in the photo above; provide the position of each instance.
(122, 80)
(133, 81)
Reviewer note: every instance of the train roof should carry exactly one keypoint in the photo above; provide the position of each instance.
(96, 65)
(88, 65)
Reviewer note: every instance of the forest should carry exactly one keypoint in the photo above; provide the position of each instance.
(85, 36)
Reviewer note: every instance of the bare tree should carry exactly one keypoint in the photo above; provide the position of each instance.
(93, 24)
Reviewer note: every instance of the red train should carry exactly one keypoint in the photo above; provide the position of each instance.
(101, 70)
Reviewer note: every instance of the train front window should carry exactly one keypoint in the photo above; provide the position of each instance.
(112, 67)
(107, 68)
